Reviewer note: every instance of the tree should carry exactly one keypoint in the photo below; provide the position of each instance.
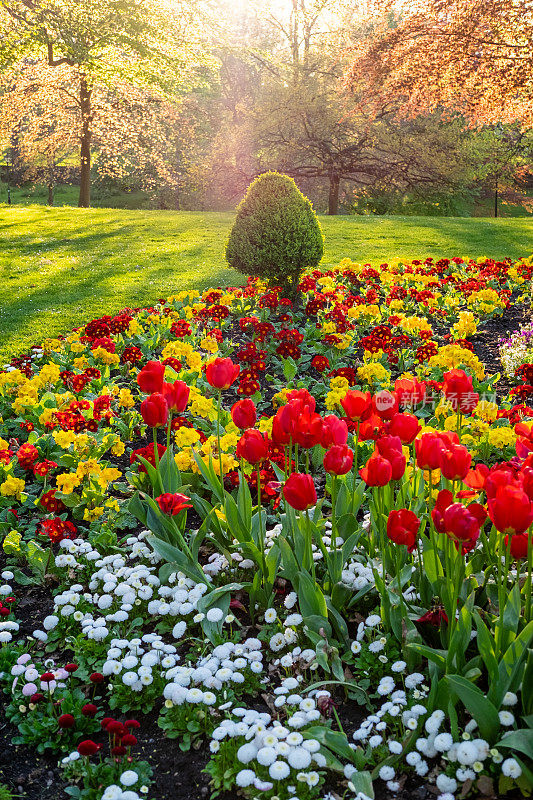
(474, 56)
(107, 56)
(276, 234)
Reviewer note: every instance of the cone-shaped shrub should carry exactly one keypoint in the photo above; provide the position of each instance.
(276, 234)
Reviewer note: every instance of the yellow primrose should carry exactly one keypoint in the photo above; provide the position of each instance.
(12, 487)
(64, 438)
(67, 482)
(125, 398)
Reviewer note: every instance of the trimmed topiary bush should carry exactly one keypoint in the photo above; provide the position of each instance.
(276, 234)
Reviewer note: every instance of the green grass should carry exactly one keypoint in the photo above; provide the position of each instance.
(61, 267)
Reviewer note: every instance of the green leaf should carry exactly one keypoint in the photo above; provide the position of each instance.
(521, 740)
(479, 706)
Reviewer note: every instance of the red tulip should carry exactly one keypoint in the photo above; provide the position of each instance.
(177, 395)
(308, 429)
(338, 460)
(154, 410)
(402, 528)
(476, 477)
(390, 447)
(385, 404)
(510, 510)
(357, 405)
(172, 504)
(456, 463)
(151, 377)
(252, 446)
(406, 426)
(334, 431)
(221, 373)
(460, 523)
(244, 413)
(459, 390)
(519, 546)
(409, 392)
(377, 471)
(303, 396)
(499, 476)
(429, 450)
(299, 491)
(370, 428)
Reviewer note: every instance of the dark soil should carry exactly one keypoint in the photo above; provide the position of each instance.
(486, 346)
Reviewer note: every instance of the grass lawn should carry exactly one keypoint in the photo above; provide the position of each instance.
(61, 267)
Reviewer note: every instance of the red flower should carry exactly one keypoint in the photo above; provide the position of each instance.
(151, 377)
(409, 392)
(27, 455)
(510, 510)
(459, 390)
(177, 395)
(385, 404)
(47, 677)
(476, 477)
(172, 504)
(148, 454)
(252, 446)
(406, 426)
(429, 450)
(88, 748)
(455, 463)
(308, 429)
(299, 491)
(66, 721)
(334, 431)
(519, 545)
(154, 410)
(390, 447)
(89, 710)
(71, 667)
(96, 677)
(129, 740)
(131, 723)
(338, 460)
(434, 617)
(357, 405)
(320, 363)
(377, 471)
(402, 528)
(221, 373)
(244, 413)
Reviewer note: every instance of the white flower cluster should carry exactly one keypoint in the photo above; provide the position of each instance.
(271, 752)
(136, 660)
(227, 665)
(7, 627)
(400, 713)
(121, 589)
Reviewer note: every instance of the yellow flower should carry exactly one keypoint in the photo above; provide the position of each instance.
(126, 399)
(81, 363)
(11, 543)
(373, 373)
(67, 482)
(210, 344)
(501, 437)
(90, 514)
(118, 448)
(64, 438)
(12, 487)
(103, 355)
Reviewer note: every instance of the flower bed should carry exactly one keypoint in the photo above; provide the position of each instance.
(297, 536)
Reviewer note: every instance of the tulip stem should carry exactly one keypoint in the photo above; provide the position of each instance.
(333, 512)
(156, 460)
(356, 459)
(529, 571)
(221, 475)
(261, 536)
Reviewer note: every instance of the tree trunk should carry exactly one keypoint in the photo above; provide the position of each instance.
(496, 200)
(85, 150)
(333, 203)
(50, 194)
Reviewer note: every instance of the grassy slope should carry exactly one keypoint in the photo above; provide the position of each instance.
(61, 267)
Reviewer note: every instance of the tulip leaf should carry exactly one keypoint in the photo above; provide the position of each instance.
(479, 706)
(521, 740)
